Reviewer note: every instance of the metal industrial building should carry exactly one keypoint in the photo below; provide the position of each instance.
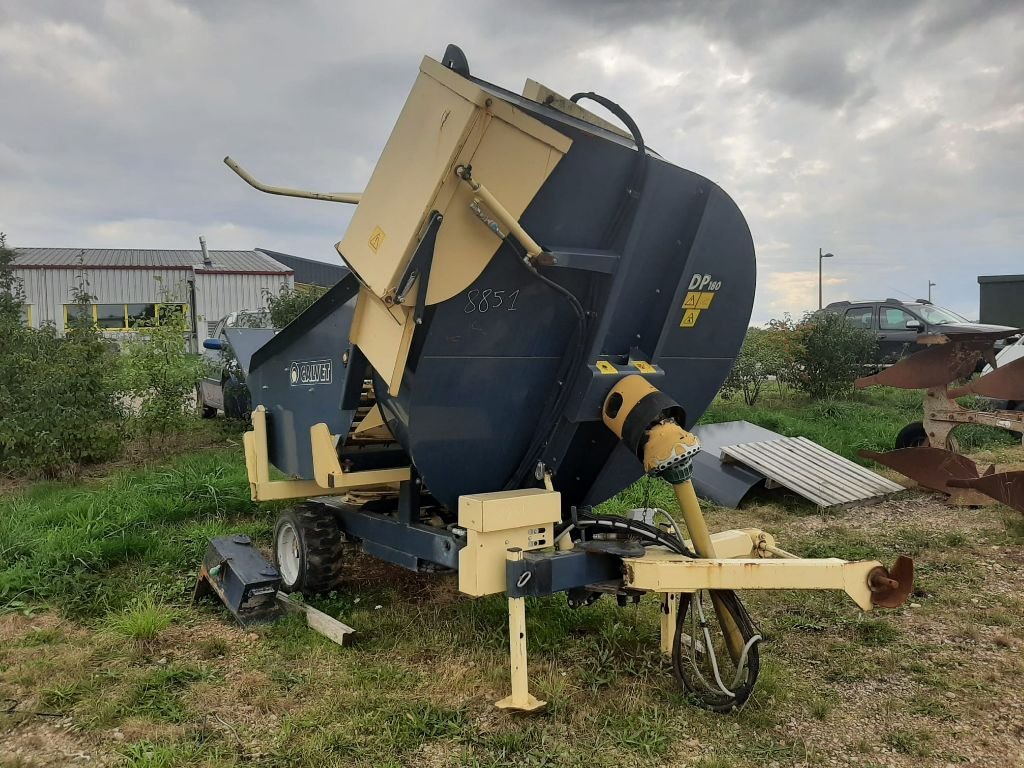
(1002, 300)
(132, 285)
(308, 272)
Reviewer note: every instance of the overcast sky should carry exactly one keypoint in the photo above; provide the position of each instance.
(891, 134)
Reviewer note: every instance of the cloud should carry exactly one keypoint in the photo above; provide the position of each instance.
(887, 133)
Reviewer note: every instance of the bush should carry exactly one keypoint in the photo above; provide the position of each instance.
(161, 374)
(289, 303)
(829, 354)
(60, 397)
(766, 353)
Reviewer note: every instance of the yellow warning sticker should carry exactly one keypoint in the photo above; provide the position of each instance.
(643, 367)
(376, 239)
(605, 367)
(704, 300)
(690, 302)
(690, 318)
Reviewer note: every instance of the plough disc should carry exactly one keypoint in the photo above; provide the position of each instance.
(935, 468)
(935, 366)
(1003, 383)
(891, 587)
(1005, 487)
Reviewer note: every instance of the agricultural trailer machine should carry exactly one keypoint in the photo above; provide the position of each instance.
(928, 451)
(539, 306)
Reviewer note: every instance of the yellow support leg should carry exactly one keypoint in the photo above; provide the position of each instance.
(669, 612)
(521, 699)
(697, 527)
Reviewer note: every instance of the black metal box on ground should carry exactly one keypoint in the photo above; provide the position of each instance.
(1002, 300)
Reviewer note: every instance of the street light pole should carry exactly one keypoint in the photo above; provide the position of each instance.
(930, 286)
(820, 257)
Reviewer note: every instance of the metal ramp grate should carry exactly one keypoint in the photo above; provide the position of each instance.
(814, 472)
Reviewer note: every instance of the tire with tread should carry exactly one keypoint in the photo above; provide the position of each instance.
(205, 411)
(914, 436)
(319, 541)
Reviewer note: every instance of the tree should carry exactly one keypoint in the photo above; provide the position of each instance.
(12, 291)
(161, 373)
(289, 303)
(59, 396)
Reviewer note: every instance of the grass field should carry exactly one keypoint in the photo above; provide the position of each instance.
(103, 655)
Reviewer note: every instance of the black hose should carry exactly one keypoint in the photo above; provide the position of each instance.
(548, 417)
(615, 524)
(640, 169)
(571, 361)
(716, 701)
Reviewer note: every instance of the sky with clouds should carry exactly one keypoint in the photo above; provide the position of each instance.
(891, 134)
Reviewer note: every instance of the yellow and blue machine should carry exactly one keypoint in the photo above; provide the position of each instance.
(538, 306)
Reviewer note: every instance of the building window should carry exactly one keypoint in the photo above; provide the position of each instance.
(73, 312)
(141, 314)
(123, 317)
(26, 315)
(110, 317)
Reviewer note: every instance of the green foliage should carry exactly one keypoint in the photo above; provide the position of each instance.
(870, 420)
(161, 374)
(289, 303)
(830, 354)
(142, 621)
(766, 353)
(96, 548)
(12, 292)
(60, 396)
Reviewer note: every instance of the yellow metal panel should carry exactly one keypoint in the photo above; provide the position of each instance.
(433, 125)
(495, 522)
(447, 121)
(543, 95)
(382, 337)
(373, 426)
(499, 511)
(513, 165)
(482, 561)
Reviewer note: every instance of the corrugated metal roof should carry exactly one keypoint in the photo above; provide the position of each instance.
(137, 258)
(814, 472)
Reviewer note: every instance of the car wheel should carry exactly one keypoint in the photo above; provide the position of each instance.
(308, 549)
(236, 399)
(205, 411)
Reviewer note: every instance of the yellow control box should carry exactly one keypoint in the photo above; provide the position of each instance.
(495, 522)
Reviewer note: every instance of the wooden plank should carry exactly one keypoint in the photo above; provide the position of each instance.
(316, 620)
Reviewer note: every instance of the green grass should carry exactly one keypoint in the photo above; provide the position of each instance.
(117, 559)
(95, 547)
(141, 622)
(869, 420)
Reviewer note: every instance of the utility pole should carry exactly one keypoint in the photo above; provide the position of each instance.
(930, 286)
(820, 257)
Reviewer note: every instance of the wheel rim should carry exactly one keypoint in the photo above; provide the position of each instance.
(287, 551)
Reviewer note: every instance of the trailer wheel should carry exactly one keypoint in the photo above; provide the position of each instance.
(914, 436)
(308, 550)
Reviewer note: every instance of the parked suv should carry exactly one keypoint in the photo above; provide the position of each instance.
(897, 324)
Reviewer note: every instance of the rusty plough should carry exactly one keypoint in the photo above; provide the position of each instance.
(927, 451)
